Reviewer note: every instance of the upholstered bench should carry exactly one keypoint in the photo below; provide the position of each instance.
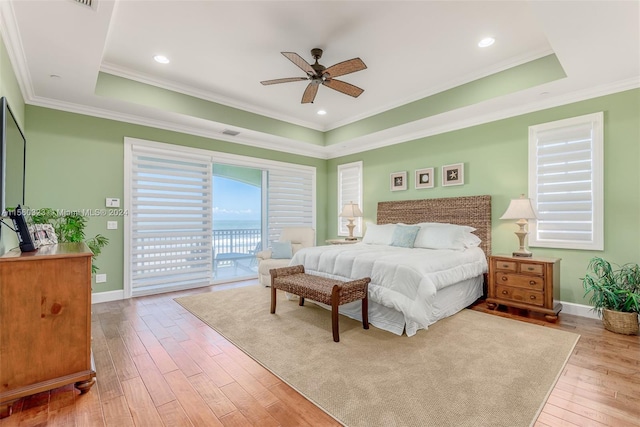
(320, 289)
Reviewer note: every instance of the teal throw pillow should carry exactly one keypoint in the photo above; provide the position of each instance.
(281, 250)
(404, 235)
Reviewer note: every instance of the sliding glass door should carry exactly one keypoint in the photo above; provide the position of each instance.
(237, 221)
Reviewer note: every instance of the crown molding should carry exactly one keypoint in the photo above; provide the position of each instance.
(201, 94)
(15, 51)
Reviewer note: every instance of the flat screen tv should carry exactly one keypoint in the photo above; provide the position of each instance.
(13, 146)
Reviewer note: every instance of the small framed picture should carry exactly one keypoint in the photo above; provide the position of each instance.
(453, 174)
(424, 178)
(399, 181)
(43, 234)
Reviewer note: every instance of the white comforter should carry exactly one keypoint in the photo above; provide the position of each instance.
(403, 279)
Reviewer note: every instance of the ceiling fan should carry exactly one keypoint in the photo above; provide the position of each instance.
(318, 74)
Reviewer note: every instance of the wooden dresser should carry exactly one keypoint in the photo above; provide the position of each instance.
(526, 283)
(45, 321)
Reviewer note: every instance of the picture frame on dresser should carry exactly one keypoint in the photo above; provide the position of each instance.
(398, 181)
(453, 174)
(424, 178)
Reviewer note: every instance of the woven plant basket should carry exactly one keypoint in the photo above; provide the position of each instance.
(620, 322)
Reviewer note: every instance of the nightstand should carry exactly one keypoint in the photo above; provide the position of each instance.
(527, 283)
(341, 241)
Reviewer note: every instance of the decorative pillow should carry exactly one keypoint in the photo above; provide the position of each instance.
(404, 235)
(471, 240)
(378, 234)
(281, 250)
(443, 236)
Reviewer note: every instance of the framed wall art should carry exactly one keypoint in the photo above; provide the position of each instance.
(424, 178)
(398, 181)
(453, 174)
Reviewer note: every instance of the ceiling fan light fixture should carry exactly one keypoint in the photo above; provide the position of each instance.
(161, 59)
(486, 42)
(322, 112)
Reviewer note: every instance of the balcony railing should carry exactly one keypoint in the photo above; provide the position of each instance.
(236, 248)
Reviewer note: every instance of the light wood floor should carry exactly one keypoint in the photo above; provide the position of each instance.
(159, 365)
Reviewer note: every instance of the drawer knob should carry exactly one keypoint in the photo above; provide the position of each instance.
(531, 282)
(530, 268)
(505, 265)
(532, 297)
(505, 293)
(504, 278)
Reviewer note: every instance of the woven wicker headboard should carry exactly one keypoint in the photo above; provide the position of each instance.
(474, 211)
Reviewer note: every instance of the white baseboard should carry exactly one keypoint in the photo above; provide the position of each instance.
(107, 296)
(579, 310)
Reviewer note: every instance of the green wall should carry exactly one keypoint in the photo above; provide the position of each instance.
(495, 163)
(76, 161)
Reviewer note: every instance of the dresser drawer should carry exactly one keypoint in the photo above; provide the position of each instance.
(505, 265)
(521, 295)
(519, 281)
(528, 268)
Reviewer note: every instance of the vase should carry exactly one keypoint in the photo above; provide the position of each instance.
(620, 322)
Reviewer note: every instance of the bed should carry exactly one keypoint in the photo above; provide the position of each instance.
(412, 288)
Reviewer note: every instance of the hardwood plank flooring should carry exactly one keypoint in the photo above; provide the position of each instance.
(157, 364)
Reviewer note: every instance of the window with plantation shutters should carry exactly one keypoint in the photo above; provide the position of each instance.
(171, 224)
(349, 190)
(566, 183)
(290, 199)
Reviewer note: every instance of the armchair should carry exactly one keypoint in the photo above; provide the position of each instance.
(300, 237)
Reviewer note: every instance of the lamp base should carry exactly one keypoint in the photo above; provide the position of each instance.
(522, 254)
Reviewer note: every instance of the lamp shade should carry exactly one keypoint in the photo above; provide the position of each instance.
(350, 210)
(519, 209)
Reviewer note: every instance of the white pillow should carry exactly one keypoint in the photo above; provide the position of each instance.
(445, 236)
(446, 224)
(378, 234)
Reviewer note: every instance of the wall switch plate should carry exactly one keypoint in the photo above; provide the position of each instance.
(101, 278)
(112, 202)
(112, 225)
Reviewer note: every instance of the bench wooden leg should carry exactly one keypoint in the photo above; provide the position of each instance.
(301, 301)
(365, 311)
(335, 301)
(273, 299)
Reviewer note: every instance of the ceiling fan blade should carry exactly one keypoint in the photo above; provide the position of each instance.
(310, 93)
(345, 67)
(300, 62)
(344, 87)
(285, 80)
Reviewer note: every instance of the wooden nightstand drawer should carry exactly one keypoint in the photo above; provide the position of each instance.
(505, 265)
(521, 295)
(531, 268)
(520, 281)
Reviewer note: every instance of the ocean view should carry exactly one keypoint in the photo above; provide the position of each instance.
(231, 224)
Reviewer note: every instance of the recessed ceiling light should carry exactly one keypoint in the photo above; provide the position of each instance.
(487, 41)
(322, 112)
(161, 59)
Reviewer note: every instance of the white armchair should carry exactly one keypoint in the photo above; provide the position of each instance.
(300, 237)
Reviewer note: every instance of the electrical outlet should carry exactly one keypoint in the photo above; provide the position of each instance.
(101, 278)
(112, 225)
(112, 202)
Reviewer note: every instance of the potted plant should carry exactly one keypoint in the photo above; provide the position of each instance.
(69, 227)
(615, 294)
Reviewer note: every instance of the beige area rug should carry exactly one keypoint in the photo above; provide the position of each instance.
(471, 369)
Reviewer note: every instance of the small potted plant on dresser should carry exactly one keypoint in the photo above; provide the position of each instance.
(615, 294)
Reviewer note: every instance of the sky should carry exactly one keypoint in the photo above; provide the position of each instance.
(234, 200)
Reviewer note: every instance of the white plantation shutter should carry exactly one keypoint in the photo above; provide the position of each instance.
(349, 190)
(566, 183)
(290, 199)
(171, 224)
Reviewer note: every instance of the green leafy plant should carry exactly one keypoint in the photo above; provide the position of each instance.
(616, 289)
(69, 227)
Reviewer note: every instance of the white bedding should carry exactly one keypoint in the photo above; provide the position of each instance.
(403, 279)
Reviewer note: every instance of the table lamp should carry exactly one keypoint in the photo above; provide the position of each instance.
(522, 210)
(350, 211)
